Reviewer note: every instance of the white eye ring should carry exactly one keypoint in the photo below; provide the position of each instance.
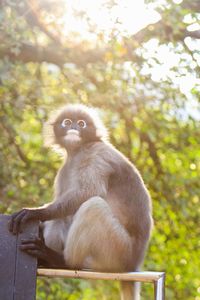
(66, 123)
(81, 123)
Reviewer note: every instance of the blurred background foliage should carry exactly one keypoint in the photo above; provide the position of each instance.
(146, 85)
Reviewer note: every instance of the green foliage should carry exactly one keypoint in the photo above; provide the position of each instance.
(152, 116)
(74, 289)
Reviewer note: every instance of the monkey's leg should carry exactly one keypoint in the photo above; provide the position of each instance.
(130, 290)
(97, 240)
(55, 232)
(48, 247)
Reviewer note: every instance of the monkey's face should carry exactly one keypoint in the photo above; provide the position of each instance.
(74, 127)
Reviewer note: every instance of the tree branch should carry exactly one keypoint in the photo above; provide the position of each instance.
(11, 135)
(152, 151)
(55, 55)
(193, 34)
(31, 12)
(32, 53)
(59, 55)
(12, 141)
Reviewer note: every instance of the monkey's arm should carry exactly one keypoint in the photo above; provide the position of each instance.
(67, 204)
(91, 181)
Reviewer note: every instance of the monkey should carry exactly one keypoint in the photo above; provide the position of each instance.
(101, 214)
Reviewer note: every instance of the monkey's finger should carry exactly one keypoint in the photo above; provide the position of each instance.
(35, 240)
(16, 222)
(11, 221)
(25, 218)
(29, 240)
(30, 246)
(36, 253)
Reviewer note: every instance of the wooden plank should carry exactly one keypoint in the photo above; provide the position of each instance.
(7, 260)
(26, 267)
(131, 276)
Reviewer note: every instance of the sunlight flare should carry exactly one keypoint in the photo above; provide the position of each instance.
(127, 17)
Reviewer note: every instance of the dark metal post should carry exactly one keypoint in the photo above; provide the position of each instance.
(159, 288)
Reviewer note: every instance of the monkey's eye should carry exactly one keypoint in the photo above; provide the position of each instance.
(81, 123)
(66, 123)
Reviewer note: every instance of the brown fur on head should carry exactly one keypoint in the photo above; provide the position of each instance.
(57, 131)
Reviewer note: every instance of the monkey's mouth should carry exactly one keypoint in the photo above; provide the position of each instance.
(72, 135)
(73, 132)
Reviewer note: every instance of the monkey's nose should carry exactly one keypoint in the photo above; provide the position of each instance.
(74, 127)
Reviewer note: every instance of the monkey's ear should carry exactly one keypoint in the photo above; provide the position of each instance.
(50, 139)
(101, 130)
(48, 129)
(48, 134)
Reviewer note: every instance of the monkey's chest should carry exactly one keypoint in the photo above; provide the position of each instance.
(68, 179)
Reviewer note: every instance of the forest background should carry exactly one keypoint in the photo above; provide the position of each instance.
(139, 64)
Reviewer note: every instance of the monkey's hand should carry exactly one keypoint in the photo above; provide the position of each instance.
(19, 218)
(46, 256)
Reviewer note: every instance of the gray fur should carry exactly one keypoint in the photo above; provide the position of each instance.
(102, 210)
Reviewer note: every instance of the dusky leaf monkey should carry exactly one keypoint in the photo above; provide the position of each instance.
(100, 217)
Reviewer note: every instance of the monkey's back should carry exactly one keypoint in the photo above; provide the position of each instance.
(125, 189)
(128, 195)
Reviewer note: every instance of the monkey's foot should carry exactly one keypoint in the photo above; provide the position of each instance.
(46, 256)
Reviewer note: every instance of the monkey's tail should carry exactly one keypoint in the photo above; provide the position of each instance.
(130, 290)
